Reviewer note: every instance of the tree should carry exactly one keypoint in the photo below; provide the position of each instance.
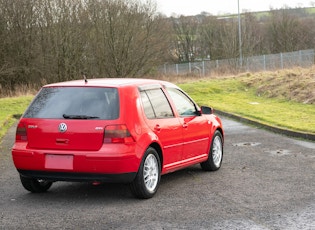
(185, 42)
(128, 37)
(48, 41)
(209, 30)
(284, 31)
(252, 39)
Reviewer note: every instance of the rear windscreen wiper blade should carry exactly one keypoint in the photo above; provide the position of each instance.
(68, 116)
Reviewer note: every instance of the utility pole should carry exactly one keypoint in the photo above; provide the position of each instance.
(240, 33)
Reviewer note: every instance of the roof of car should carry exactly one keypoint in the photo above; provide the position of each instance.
(111, 82)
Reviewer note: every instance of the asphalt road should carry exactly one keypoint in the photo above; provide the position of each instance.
(266, 182)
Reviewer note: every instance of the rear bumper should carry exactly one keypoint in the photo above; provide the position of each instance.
(78, 177)
(104, 165)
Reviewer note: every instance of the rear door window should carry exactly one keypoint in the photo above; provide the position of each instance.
(155, 104)
(75, 103)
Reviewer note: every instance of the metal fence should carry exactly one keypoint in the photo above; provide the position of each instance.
(302, 58)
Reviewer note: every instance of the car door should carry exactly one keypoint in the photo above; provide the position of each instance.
(161, 120)
(196, 128)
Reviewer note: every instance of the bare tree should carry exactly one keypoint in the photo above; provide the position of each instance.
(252, 37)
(228, 37)
(54, 40)
(18, 44)
(209, 30)
(186, 35)
(284, 31)
(50, 41)
(128, 37)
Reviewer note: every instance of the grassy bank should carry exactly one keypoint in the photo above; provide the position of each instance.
(10, 108)
(274, 99)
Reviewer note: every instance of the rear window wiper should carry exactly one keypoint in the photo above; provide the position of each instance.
(68, 116)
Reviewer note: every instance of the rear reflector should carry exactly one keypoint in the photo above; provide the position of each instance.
(117, 134)
(21, 134)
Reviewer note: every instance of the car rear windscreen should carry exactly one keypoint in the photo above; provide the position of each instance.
(75, 103)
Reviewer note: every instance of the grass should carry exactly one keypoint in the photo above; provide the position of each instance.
(284, 99)
(10, 108)
(243, 95)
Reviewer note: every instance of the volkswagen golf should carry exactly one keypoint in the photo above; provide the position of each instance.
(114, 130)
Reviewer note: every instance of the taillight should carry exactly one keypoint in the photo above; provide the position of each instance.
(21, 134)
(117, 134)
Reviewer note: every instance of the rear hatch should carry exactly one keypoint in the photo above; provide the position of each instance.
(70, 118)
(64, 134)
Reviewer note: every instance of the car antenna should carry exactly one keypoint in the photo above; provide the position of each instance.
(85, 79)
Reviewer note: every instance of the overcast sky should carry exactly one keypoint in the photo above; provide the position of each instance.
(218, 7)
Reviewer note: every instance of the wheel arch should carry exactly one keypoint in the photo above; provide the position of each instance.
(221, 131)
(158, 148)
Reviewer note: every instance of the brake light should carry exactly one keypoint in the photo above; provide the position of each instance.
(21, 134)
(117, 134)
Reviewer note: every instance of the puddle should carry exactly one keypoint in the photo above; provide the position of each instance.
(280, 152)
(246, 144)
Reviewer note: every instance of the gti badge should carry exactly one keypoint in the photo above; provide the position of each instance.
(62, 127)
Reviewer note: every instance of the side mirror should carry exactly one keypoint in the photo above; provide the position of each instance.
(206, 110)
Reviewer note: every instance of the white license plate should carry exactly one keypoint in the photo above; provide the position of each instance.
(53, 161)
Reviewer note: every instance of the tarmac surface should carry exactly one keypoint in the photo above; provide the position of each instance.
(267, 181)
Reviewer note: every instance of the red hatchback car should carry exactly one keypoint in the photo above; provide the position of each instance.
(114, 130)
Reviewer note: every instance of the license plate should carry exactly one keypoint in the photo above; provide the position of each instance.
(53, 161)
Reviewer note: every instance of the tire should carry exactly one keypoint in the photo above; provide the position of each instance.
(35, 185)
(215, 157)
(148, 177)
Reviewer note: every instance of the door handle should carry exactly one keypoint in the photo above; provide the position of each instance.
(62, 141)
(185, 126)
(157, 128)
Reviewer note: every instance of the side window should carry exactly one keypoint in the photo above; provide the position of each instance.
(155, 104)
(184, 106)
(148, 110)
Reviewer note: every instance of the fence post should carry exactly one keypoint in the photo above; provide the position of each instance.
(281, 60)
(176, 67)
(203, 69)
(189, 66)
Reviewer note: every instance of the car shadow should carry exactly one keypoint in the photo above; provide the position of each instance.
(80, 192)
